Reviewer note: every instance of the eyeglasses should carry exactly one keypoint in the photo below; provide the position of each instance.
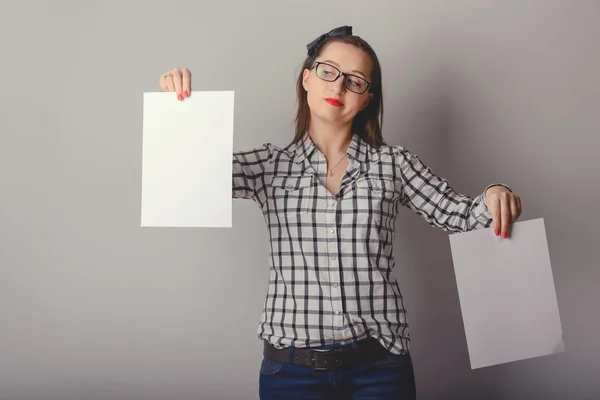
(330, 73)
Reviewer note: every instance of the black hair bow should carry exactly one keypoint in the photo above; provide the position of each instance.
(318, 42)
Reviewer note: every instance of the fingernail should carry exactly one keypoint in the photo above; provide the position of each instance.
(497, 232)
(179, 97)
(186, 94)
(504, 235)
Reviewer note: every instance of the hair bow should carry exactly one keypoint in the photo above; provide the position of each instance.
(318, 42)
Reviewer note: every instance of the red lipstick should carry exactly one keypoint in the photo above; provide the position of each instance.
(334, 102)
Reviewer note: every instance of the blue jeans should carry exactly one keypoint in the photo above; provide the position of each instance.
(387, 379)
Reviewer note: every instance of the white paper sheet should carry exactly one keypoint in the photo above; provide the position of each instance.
(187, 159)
(507, 294)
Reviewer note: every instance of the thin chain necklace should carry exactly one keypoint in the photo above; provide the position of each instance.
(331, 169)
(338, 163)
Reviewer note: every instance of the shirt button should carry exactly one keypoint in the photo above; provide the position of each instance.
(332, 204)
(335, 285)
(333, 257)
(337, 312)
(331, 231)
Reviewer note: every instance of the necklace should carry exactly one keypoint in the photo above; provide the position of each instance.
(331, 169)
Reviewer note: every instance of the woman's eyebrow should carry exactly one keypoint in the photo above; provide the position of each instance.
(354, 70)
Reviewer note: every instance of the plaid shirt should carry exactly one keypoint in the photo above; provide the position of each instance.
(331, 257)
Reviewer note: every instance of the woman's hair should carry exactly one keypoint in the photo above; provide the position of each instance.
(367, 123)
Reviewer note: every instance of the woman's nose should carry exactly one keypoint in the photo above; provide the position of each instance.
(338, 86)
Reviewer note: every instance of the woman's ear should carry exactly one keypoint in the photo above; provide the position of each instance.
(305, 76)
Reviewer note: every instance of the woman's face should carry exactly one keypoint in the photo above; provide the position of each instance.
(334, 102)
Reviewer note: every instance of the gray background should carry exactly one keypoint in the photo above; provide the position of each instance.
(94, 307)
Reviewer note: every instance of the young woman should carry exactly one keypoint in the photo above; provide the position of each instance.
(333, 322)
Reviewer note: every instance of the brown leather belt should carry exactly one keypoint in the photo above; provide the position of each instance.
(366, 351)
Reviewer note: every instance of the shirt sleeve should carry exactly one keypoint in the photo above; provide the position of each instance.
(248, 172)
(433, 198)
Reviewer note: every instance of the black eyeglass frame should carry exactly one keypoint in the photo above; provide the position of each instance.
(340, 73)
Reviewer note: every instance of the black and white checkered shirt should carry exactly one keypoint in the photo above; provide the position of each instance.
(331, 257)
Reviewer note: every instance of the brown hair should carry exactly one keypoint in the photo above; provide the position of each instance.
(367, 123)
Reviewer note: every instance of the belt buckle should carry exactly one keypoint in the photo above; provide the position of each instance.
(328, 352)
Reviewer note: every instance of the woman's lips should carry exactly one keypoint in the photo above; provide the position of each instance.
(334, 102)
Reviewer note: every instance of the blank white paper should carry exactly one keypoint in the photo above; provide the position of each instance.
(187, 159)
(507, 294)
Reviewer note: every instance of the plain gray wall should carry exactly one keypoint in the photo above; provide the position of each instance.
(94, 307)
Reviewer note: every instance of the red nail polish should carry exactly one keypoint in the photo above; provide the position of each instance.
(179, 97)
(497, 232)
(504, 235)
(186, 94)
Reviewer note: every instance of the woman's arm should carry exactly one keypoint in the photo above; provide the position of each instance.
(249, 172)
(433, 198)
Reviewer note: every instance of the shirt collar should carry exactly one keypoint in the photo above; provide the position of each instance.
(358, 150)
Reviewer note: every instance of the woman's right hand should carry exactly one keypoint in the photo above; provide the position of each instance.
(178, 80)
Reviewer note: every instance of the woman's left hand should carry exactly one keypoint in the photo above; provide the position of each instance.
(505, 208)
